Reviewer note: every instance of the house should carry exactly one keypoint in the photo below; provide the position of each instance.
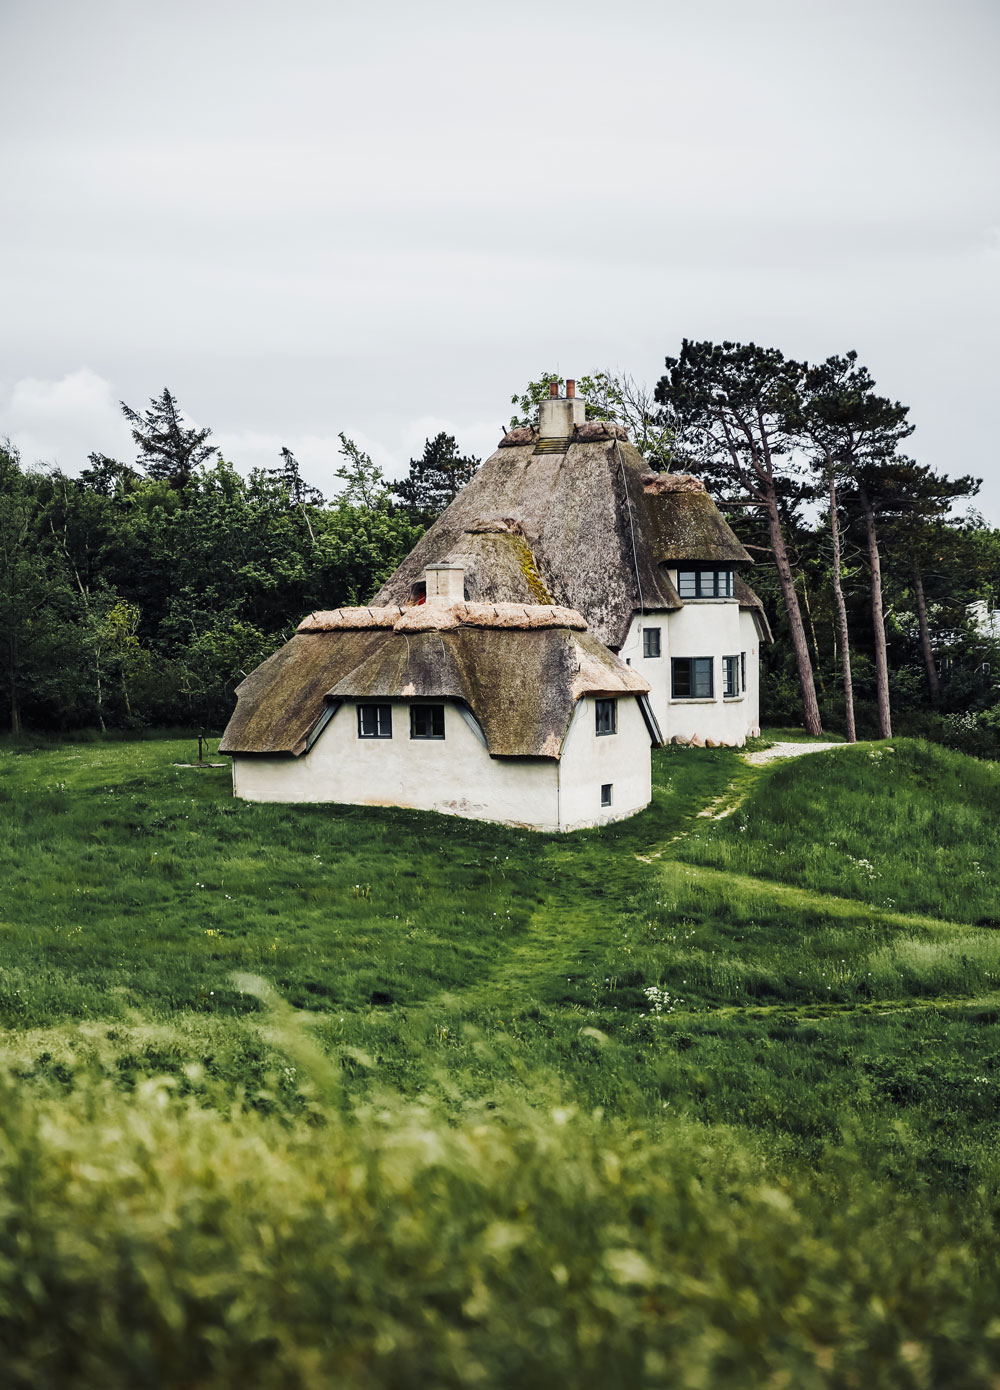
(565, 613)
(570, 514)
(506, 712)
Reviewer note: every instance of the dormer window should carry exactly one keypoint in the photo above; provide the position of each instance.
(705, 582)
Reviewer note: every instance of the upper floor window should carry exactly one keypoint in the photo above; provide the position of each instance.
(607, 716)
(374, 721)
(651, 641)
(692, 678)
(427, 721)
(705, 583)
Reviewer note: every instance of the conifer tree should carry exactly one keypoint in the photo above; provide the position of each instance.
(168, 449)
(436, 478)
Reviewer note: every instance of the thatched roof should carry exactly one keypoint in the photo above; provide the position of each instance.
(440, 617)
(521, 683)
(579, 528)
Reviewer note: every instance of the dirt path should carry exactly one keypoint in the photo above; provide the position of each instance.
(788, 750)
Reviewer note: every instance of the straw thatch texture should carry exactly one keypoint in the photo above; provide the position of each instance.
(278, 703)
(597, 539)
(522, 684)
(352, 619)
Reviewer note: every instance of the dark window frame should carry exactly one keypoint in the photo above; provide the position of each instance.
(431, 712)
(607, 789)
(380, 731)
(690, 668)
(647, 634)
(606, 713)
(743, 671)
(730, 677)
(706, 581)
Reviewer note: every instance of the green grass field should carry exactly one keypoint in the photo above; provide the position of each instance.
(707, 1098)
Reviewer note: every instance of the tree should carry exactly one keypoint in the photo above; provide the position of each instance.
(853, 433)
(364, 482)
(167, 448)
(729, 406)
(289, 476)
(435, 479)
(902, 500)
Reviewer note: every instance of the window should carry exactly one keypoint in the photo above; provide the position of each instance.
(606, 793)
(705, 583)
(692, 678)
(651, 641)
(374, 721)
(427, 721)
(743, 672)
(730, 676)
(607, 716)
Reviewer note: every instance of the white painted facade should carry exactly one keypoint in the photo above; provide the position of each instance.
(456, 775)
(714, 628)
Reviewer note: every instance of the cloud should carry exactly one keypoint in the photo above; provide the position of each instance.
(62, 421)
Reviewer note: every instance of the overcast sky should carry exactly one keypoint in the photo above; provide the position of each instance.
(385, 218)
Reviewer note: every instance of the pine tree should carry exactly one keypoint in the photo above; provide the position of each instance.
(435, 479)
(168, 450)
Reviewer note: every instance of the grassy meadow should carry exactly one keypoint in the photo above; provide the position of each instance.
(309, 1096)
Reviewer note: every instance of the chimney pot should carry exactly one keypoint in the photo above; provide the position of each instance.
(570, 388)
(553, 390)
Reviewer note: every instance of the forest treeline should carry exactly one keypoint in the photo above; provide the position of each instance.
(140, 594)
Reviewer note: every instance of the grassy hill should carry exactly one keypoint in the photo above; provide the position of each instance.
(709, 1097)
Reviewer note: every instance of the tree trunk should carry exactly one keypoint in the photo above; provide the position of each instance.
(878, 621)
(925, 636)
(840, 608)
(818, 670)
(810, 706)
(15, 710)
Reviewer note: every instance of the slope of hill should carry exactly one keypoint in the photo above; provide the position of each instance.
(670, 1084)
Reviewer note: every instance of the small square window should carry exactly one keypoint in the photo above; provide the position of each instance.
(607, 716)
(730, 676)
(374, 721)
(651, 641)
(427, 721)
(606, 793)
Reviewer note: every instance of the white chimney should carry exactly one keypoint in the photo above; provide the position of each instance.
(559, 415)
(445, 583)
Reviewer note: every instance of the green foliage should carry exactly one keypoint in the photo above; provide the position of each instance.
(158, 1243)
(168, 450)
(435, 479)
(299, 1095)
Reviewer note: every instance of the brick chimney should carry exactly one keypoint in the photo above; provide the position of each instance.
(559, 415)
(445, 583)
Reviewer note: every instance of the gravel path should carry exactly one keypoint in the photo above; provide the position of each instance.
(789, 750)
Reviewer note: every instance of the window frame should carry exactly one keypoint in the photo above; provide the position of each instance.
(692, 663)
(702, 590)
(605, 706)
(647, 633)
(731, 677)
(607, 793)
(430, 710)
(379, 709)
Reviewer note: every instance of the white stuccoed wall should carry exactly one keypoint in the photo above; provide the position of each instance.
(454, 775)
(703, 627)
(457, 776)
(590, 759)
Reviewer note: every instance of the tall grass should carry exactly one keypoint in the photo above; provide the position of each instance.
(147, 1240)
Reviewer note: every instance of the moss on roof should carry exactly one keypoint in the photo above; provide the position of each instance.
(597, 538)
(522, 685)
